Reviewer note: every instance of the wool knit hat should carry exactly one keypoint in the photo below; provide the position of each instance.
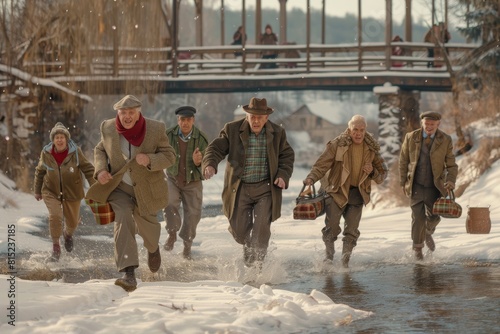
(59, 128)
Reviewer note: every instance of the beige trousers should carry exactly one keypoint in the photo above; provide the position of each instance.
(67, 210)
(128, 223)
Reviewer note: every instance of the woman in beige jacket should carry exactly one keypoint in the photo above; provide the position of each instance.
(59, 182)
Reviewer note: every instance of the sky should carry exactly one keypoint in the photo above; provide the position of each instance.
(373, 8)
(226, 303)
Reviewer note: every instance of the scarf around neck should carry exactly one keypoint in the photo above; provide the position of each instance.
(136, 134)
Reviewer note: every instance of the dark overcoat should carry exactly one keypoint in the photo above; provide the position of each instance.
(233, 142)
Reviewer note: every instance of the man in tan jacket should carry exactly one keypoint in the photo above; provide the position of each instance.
(346, 168)
(427, 170)
(129, 162)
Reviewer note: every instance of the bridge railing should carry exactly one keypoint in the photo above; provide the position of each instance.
(221, 60)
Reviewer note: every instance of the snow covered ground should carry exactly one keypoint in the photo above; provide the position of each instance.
(226, 304)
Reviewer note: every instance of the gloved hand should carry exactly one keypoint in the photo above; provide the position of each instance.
(448, 185)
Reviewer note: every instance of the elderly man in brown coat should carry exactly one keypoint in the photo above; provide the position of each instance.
(427, 170)
(259, 166)
(129, 162)
(347, 167)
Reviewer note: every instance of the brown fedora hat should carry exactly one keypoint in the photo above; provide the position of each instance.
(258, 107)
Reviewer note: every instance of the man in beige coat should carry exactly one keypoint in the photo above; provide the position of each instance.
(259, 166)
(347, 167)
(427, 170)
(129, 162)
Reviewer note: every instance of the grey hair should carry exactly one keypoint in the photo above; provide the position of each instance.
(357, 119)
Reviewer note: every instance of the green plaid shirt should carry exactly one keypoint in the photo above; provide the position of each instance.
(256, 165)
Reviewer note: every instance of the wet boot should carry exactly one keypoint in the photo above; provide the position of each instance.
(429, 242)
(56, 253)
(346, 253)
(329, 240)
(169, 244)
(329, 251)
(419, 256)
(248, 256)
(68, 242)
(186, 253)
(128, 281)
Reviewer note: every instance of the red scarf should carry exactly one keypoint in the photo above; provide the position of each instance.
(136, 134)
(59, 156)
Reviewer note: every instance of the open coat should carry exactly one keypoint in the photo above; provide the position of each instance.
(233, 142)
(444, 167)
(150, 185)
(335, 163)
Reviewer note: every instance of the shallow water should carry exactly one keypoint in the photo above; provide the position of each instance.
(415, 298)
(458, 297)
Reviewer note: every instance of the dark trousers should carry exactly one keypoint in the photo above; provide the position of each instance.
(422, 220)
(352, 216)
(250, 223)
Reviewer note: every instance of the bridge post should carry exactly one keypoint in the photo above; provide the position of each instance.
(398, 114)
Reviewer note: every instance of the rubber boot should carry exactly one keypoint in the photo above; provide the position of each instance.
(186, 253)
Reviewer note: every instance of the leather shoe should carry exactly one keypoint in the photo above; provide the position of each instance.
(429, 242)
(345, 259)
(154, 260)
(169, 244)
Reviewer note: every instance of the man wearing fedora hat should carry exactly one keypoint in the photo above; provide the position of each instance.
(259, 166)
(427, 170)
(129, 161)
(184, 180)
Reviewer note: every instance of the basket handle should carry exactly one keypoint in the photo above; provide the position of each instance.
(307, 192)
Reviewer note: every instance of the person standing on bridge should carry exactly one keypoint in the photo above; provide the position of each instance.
(59, 182)
(346, 169)
(259, 166)
(184, 180)
(269, 38)
(238, 38)
(427, 170)
(129, 162)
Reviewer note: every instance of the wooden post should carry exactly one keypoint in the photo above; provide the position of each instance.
(388, 34)
(222, 24)
(408, 22)
(323, 19)
(308, 37)
(283, 37)
(174, 37)
(360, 27)
(243, 39)
(258, 20)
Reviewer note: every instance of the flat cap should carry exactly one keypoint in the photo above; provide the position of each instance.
(127, 102)
(185, 111)
(431, 115)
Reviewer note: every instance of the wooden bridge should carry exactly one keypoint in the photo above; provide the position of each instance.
(344, 67)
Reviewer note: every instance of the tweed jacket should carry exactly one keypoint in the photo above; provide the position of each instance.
(444, 167)
(335, 163)
(65, 181)
(150, 185)
(198, 139)
(233, 142)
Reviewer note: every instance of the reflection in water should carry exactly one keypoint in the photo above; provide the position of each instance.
(345, 286)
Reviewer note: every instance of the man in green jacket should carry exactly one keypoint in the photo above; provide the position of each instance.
(427, 170)
(259, 166)
(184, 180)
